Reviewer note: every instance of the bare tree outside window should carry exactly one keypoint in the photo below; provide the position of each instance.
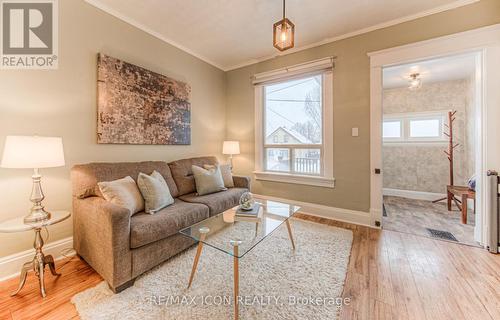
(312, 128)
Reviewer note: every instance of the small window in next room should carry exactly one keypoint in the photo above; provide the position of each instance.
(419, 127)
(392, 129)
(425, 128)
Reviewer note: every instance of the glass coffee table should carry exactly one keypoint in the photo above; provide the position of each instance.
(236, 236)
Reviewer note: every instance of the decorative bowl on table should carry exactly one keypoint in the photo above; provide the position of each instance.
(246, 201)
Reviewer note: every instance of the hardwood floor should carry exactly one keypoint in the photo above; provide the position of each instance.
(391, 275)
(28, 304)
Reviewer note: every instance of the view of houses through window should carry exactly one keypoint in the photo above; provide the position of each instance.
(293, 131)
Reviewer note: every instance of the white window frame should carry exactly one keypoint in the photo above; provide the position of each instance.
(401, 130)
(325, 178)
(406, 118)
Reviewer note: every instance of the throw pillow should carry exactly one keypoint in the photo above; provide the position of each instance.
(155, 191)
(123, 192)
(227, 175)
(208, 181)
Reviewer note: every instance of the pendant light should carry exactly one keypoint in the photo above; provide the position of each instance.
(283, 33)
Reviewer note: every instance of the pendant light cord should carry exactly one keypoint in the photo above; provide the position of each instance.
(283, 9)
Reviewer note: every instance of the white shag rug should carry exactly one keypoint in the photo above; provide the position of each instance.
(275, 282)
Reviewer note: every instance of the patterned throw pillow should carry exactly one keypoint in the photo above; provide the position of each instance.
(208, 181)
(155, 191)
(123, 192)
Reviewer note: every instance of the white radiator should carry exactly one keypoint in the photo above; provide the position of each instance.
(492, 218)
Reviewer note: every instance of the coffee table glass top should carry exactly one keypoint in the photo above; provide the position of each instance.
(224, 230)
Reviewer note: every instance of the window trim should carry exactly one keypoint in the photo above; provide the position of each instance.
(406, 119)
(325, 179)
(401, 130)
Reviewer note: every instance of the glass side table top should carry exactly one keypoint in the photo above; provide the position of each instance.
(222, 230)
(18, 224)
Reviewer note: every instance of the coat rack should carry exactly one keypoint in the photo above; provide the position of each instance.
(449, 153)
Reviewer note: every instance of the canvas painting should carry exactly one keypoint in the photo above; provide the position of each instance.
(138, 106)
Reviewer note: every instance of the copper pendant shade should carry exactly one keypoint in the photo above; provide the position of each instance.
(283, 33)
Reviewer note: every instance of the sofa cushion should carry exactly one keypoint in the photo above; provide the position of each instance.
(123, 192)
(217, 202)
(208, 180)
(183, 175)
(85, 177)
(227, 174)
(155, 191)
(146, 228)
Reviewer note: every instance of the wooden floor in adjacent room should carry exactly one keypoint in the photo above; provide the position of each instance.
(391, 275)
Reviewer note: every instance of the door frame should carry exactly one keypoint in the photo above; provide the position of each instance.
(483, 41)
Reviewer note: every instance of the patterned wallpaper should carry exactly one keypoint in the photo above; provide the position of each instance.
(424, 167)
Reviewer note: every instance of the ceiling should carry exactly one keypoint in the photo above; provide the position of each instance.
(233, 33)
(435, 70)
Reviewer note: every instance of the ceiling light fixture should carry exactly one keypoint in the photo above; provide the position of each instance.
(283, 33)
(415, 81)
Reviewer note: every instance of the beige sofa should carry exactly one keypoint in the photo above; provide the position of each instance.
(120, 247)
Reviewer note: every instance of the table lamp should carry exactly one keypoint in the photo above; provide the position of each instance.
(231, 148)
(33, 152)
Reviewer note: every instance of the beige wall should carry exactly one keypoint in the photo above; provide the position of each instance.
(63, 103)
(351, 97)
(424, 167)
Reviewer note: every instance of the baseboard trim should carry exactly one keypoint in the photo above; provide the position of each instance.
(410, 194)
(10, 266)
(343, 215)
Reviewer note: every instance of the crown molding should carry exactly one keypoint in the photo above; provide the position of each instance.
(450, 6)
(140, 26)
(456, 4)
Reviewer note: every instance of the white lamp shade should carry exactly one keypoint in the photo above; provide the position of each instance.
(32, 152)
(231, 147)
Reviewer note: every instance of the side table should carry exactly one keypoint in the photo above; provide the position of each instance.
(39, 260)
(464, 193)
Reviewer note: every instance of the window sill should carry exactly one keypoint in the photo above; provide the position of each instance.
(295, 179)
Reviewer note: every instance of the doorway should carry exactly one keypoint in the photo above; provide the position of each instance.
(486, 43)
(429, 141)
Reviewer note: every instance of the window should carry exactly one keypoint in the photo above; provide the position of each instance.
(392, 129)
(294, 130)
(414, 127)
(428, 128)
(293, 113)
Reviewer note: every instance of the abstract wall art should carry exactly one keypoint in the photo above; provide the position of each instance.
(138, 106)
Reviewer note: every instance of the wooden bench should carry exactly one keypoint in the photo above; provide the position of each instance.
(463, 193)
